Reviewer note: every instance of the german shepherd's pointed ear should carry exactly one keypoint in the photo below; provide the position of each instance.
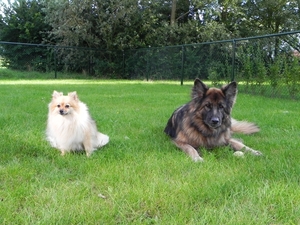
(199, 89)
(230, 91)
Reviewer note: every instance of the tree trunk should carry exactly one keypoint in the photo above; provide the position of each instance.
(173, 12)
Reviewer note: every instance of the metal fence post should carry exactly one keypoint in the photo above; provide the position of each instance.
(233, 60)
(123, 69)
(55, 62)
(147, 66)
(182, 63)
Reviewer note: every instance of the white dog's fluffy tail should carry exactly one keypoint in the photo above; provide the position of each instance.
(103, 139)
(243, 127)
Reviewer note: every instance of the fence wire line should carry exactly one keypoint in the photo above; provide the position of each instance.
(266, 65)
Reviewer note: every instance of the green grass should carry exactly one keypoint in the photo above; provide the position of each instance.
(145, 179)
(31, 75)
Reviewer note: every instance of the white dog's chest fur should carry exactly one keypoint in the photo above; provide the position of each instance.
(68, 132)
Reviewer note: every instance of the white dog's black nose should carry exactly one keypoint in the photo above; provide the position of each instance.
(61, 112)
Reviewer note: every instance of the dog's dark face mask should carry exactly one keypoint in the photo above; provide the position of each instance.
(215, 104)
(213, 112)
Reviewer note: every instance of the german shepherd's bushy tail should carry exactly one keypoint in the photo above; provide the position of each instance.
(243, 127)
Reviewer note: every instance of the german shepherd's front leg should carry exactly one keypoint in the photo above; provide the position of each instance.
(239, 146)
(188, 149)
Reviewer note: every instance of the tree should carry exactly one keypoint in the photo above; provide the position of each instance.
(123, 24)
(268, 16)
(93, 23)
(173, 12)
(23, 21)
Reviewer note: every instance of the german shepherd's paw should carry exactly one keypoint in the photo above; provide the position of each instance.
(255, 152)
(252, 151)
(239, 154)
(197, 159)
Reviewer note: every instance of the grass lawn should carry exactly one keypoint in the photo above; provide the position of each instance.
(140, 177)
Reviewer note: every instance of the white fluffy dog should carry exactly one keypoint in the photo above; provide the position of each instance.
(70, 126)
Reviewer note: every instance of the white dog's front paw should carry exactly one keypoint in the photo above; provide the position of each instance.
(63, 152)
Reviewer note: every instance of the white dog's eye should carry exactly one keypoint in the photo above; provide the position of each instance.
(58, 106)
(67, 105)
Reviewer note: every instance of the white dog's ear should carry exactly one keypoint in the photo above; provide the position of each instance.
(73, 95)
(56, 94)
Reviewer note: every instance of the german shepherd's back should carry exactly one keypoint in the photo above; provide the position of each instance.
(206, 121)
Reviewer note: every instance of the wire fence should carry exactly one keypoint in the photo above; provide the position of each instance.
(265, 65)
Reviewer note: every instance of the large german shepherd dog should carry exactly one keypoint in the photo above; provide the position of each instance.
(206, 122)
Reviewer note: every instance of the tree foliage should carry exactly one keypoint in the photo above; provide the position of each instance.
(268, 16)
(112, 26)
(23, 21)
(129, 24)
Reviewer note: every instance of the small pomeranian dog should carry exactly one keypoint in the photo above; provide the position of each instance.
(70, 126)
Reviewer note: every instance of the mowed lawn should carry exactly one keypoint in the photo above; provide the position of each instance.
(140, 177)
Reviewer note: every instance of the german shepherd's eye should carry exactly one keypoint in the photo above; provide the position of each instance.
(221, 106)
(207, 106)
(67, 106)
(58, 106)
